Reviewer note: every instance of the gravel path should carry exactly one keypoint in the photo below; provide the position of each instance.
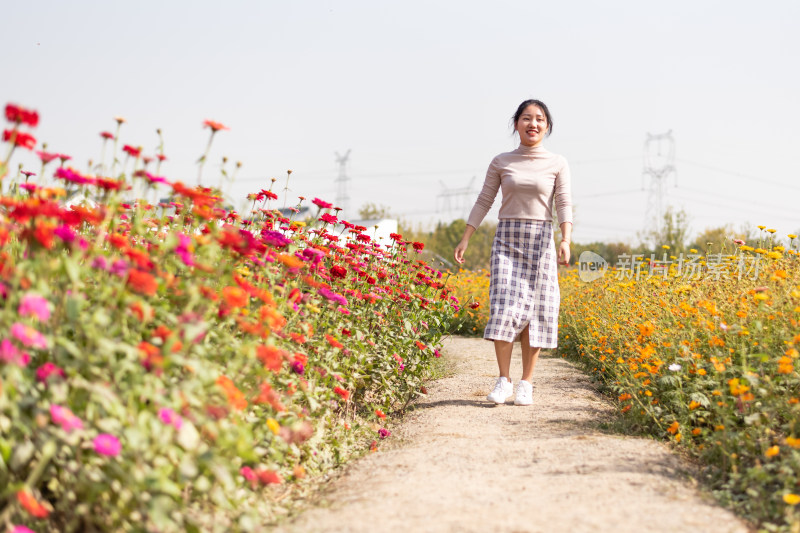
(458, 463)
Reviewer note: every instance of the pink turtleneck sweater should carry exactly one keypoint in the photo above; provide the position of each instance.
(532, 180)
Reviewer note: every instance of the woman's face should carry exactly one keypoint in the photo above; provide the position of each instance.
(532, 125)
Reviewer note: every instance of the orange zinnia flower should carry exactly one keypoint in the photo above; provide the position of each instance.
(142, 282)
(235, 296)
(271, 356)
(31, 504)
(235, 396)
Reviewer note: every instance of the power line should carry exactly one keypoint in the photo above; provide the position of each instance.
(738, 174)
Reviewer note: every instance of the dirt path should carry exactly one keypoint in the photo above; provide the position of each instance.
(457, 463)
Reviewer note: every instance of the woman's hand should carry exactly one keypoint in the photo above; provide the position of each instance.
(460, 249)
(563, 253)
(462, 246)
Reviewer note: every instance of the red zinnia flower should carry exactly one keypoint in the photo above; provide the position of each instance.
(25, 140)
(338, 271)
(131, 151)
(20, 115)
(106, 135)
(215, 126)
(345, 394)
(418, 245)
(321, 203)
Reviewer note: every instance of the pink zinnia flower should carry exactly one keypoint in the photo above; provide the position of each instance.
(168, 416)
(28, 336)
(33, 304)
(107, 444)
(11, 354)
(65, 233)
(248, 474)
(65, 418)
(21, 529)
(48, 369)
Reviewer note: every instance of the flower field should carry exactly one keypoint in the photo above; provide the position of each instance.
(178, 366)
(472, 290)
(707, 359)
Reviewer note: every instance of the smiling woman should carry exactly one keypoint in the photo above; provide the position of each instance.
(524, 292)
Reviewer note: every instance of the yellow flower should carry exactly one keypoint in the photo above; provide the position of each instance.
(664, 246)
(692, 251)
(761, 227)
(793, 442)
(774, 255)
(746, 248)
(778, 248)
(273, 425)
(694, 405)
(791, 499)
(772, 452)
(792, 236)
(772, 230)
(760, 297)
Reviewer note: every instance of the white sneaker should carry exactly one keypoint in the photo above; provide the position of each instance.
(503, 390)
(524, 393)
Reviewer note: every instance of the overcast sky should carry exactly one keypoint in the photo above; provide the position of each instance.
(421, 93)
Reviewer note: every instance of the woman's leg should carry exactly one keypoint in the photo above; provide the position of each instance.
(529, 356)
(502, 350)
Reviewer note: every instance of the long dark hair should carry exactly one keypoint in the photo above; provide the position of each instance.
(538, 103)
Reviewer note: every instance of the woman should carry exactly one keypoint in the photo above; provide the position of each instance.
(524, 281)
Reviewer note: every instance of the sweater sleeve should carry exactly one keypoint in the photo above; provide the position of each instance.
(563, 194)
(487, 195)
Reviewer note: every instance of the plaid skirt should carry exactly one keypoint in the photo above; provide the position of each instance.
(523, 288)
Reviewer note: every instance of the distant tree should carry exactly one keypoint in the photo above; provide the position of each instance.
(717, 240)
(442, 240)
(373, 211)
(610, 251)
(673, 233)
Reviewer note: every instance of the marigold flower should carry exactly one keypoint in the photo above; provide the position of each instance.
(791, 499)
(772, 451)
(107, 444)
